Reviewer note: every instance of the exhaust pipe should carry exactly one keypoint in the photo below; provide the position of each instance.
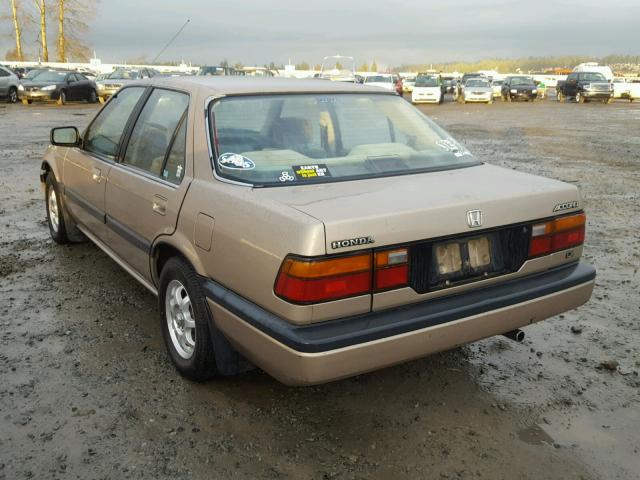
(516, 335)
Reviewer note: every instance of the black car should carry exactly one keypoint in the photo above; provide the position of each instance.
(58, 86)
(519, 88)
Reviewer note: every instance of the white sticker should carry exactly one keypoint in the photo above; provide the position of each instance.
(450, 145)
(235, 161)
(286, 177)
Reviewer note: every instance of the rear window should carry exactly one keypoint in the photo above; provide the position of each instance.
(291, 139)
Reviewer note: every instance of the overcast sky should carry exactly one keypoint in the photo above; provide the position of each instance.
(390, 31)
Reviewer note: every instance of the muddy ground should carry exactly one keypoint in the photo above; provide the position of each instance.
(87, 391)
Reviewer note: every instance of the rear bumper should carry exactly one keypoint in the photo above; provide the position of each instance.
(317, 353)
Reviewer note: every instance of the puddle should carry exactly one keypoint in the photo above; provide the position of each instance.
(535, 435)
(607, 441)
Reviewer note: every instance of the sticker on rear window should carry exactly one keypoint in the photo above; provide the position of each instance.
(235, 161)
(306, 172)
(450, 145)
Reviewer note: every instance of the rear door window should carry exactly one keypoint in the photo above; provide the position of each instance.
(154, 132)
(104, 134)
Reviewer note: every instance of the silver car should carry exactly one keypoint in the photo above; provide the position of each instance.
(477, 90)
(119, 78)
(9, 82)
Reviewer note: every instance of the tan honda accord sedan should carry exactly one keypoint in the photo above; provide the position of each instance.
(317, 229)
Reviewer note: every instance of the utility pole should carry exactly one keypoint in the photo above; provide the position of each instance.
(16, 27)
(62, 41)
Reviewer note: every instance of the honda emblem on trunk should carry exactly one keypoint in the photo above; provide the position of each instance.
(474, 218)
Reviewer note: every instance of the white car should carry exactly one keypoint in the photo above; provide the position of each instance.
(624, 89)
(477, 89)
(383, 80)
(427, 89)
(496, 86)
(408, 83)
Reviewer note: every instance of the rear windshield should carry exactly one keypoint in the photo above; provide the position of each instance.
(522, 81)
(124, 75)
(477, 82)
(425, 81)
(378, 79)
(50, 76)
(592, 77)
(307, 138)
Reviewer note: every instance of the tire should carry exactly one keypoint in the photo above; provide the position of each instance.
(55, 212)
(93, 97)
(579, 98)
(183, 312)
(609, 100)
(560, 96)
(13, 95)
(62, 99)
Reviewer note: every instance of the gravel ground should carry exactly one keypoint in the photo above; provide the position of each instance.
(87, 391)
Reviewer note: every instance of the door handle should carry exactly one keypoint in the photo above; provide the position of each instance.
(159, 205)
(96, 175)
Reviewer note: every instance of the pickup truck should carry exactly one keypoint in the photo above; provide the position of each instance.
(585, 86)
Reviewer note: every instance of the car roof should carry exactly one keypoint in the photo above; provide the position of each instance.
(238, 85)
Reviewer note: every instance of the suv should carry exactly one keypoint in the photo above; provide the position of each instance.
(585, 86)
(314, 228)
(9, 82)
(519, 88)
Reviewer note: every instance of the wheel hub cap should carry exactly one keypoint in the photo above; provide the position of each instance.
(180, 319)
(54, 218)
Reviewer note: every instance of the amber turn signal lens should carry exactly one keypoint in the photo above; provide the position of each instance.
(326, 267)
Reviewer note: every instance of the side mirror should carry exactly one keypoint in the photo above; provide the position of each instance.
(65, 137)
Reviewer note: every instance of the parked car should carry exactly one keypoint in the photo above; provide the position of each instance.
(622, 88)
(57, 86)
(9, 83)
(314, 228)
(111, 83)
(457, 91)
(217, 71)
(477, 89)
(449, 84)
(399, 84)
(408, 84)
(496, 86)
(585, 86)
(428, 89)
(519, 88)
(382, 80)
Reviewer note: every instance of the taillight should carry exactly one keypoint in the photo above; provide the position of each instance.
(314, 280)
(318, 280)
(557, 234)
(391, 269)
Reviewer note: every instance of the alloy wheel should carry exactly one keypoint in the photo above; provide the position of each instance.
(180, 319)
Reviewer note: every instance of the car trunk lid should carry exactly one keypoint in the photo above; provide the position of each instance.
(401, 209)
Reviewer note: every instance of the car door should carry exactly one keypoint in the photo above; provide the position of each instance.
(146, 186)
(5, 78)
(86, 168)
(83, 86)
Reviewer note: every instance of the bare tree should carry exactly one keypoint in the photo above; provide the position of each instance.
(73, 23)
(18, 30)
(41, 8)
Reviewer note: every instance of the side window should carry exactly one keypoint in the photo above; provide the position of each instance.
(104, 134)
(3, 73)
(154, 131)
(572, 76)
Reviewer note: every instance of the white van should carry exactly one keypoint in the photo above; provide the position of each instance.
(594, 67)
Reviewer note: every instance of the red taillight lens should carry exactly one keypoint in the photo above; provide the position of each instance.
(306, 280)
(319, 280)
(392, 269)
(558, 234)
